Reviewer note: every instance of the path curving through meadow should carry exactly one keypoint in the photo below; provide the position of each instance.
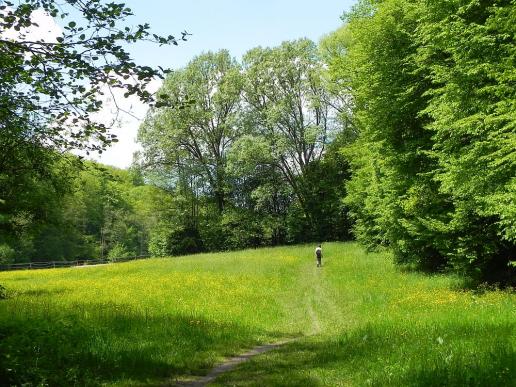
(231, 363)
(356, 321)
(317, 297)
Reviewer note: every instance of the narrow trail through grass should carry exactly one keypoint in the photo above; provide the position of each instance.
(229, 364)
(320, 303)
(360, 321)
(372, 325)
(317, 300)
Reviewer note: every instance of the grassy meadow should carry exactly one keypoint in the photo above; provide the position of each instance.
(358, 319)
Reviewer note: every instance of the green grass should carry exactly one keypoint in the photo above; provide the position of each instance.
(360, 322)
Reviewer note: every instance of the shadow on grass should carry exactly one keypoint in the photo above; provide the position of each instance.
(41, 292)
(479, 286)
(497, 275)
(107, 343)
(466, 355)
(32, 293)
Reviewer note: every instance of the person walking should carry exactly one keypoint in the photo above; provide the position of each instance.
(318, 255)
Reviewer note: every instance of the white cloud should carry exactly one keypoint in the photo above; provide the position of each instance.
(44, 28)
(128, 114)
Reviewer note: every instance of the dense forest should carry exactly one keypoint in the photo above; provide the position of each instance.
(434, 167)
(398, 129)
(227, 163)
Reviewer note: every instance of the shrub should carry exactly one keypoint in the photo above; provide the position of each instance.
(7, 254)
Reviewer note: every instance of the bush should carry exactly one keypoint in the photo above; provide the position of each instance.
(168, 240)
(119, 251)
(7, 254)
(242, 229)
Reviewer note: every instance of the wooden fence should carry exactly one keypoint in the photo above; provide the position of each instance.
(56, 264)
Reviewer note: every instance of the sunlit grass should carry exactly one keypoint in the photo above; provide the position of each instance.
(360, 321)
(382, 327)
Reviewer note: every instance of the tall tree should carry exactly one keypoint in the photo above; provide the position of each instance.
(289, 119)
(196, 122)
(391, 188)
(50, 88)
(469, 48)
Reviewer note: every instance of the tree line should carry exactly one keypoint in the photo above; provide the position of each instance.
(398, 129)
(235, 155)
(252, 148)
(433, 170)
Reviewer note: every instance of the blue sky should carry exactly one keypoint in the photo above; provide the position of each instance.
(237, 25)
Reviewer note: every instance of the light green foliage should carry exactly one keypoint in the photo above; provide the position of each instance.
(163, 216)
(470, 50)
(359, 321)
(118, 250)
(196, 121)
(186, 142)
(241, 144)
(388, 159)
(101, 213)
(159, 245)
(434, 164)
(248, 152)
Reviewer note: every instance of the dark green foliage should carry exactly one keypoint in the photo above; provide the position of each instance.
(261, 201)
(166, 241)
(32, 190)
(434, 167)
(242, 228)
(83, 211)
(324, 184)
(291, 119)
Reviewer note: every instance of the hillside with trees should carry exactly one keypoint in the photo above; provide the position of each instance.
(398, 129)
